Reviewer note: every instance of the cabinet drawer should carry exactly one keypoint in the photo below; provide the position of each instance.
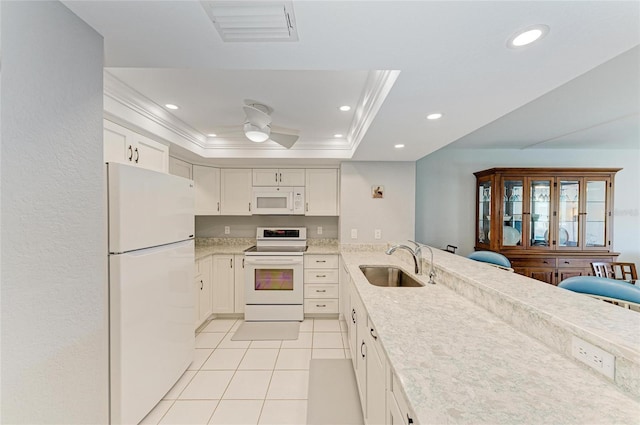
(376, 341)
(575, 262)
(533, 262)
(321, 261)
(321, 305)
(401, 401)
(321, 276)
(319, 290)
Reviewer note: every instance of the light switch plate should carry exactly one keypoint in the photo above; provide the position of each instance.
(377, 234)
(227, 230)
(354, 233)
(319, 230)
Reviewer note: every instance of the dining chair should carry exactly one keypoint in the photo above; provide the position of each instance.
(601, 269)
(615, 270)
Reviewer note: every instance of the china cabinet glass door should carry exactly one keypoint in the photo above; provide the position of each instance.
(539, 222)
(596, 213)
(483, 211)
(568, 229)
(512, 213)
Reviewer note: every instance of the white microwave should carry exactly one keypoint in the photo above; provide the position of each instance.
(278, 200)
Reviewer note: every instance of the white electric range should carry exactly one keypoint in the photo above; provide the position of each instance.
(274, 269)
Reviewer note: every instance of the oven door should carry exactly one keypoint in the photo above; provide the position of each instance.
(274, 279)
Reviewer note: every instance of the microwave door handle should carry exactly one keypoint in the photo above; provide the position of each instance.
(290, 202)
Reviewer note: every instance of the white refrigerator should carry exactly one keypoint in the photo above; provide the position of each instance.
(151, 291)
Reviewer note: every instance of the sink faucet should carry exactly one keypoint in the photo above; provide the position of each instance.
(414, 254)
(417, 257)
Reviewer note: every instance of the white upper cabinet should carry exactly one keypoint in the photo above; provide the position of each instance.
(235, 191)
(128, 147)
(278, 177)
(178, 167)
(207, 196)
(321, 192)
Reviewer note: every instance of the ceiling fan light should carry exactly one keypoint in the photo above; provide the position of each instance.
(255, 133)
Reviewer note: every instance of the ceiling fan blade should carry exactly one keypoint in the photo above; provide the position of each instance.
(256, 117)
(286, 140)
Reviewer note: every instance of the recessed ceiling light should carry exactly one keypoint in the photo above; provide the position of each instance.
(435, 116)
(337, 136)
(399, 146)
(171, 106)
(527, 36)
(212, 135)
(345, 108)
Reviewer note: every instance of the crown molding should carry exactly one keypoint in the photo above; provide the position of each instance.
(154, 113)
(377, 87)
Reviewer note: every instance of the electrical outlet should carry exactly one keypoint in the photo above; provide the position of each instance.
(227, 230)
(319, 230)
(593, 356)
(354, 233)
(377, 234)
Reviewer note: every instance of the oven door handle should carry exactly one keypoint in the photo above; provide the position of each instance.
(252, 262)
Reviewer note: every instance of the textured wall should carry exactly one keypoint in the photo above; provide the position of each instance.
(445, 183)
(54, 294)
(394, 214)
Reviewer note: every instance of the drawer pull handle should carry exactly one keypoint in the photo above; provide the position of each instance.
(201, 284)
(372, 334)
(545, 262)
(321, 261)
(566, 262)
(321, 290)
(321, 305)
(321, 275)
(353, 315)
(409, 419)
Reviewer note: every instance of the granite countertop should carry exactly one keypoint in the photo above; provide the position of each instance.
(460, 363)
(232, 246)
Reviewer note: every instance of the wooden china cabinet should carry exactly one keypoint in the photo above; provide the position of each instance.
(550, 222)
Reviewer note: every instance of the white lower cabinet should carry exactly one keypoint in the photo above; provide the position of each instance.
(380, 395)
(321, 289)
(203, 289)
(238, 283)
(228, 284)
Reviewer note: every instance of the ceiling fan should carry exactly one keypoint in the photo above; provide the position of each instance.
(257, 125)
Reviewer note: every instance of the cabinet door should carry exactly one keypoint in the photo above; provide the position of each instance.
(352, 321)
(321, 192)
(597, 213)
(568, 229)
(537, 234)
(204, 290)
(567, 273)
(483, 212)
(543, 274)
(376, 396)
(207, 186)
(239, 283)
(265, 176)
(149, 154)
(291, 177)
(223, 288)
(345, 282)
(235, 191)
(513, 220)
(177, 167)
(117, 143)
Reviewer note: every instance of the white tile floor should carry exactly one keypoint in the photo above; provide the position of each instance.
(249, 382)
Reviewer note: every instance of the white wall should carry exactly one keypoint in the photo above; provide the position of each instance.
(54, 344)
(446, 191)
(394, 214)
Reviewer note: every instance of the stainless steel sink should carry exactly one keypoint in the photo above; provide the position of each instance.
(388, 276)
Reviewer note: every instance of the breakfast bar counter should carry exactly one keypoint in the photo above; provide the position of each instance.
(464, 361)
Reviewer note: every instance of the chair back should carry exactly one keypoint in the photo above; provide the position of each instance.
(615, 270)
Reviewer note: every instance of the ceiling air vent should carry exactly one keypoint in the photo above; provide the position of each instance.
(249, 21)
